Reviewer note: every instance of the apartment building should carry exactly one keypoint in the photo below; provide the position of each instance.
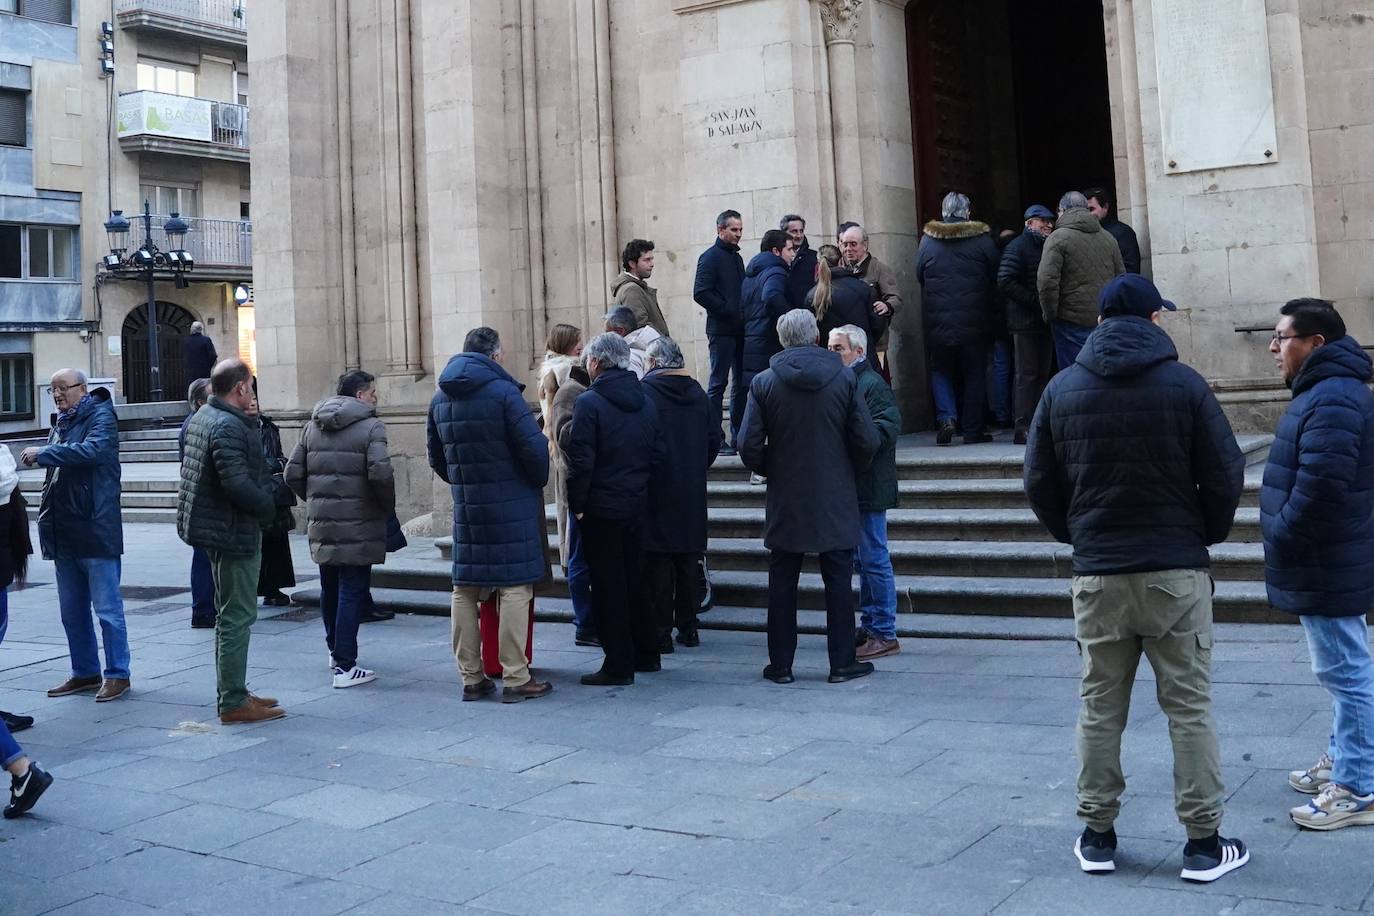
(111, 106)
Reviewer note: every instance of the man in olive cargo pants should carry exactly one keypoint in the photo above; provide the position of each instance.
(1131, 461)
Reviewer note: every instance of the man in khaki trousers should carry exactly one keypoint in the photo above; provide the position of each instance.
(1131, 461)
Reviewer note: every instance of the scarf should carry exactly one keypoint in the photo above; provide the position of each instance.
(65, 417)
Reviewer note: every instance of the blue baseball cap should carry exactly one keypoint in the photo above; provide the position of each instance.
(1037, 211)
(1132, 294)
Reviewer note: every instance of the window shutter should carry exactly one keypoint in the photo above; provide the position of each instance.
(50, 10)
(12, 120)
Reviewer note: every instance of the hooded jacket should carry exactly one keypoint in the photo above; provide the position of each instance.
(1317, 499)
(851, 302)
(1016, 280)
(956, 265)
(641, 298)
(226, 494)
(79, 513)
(1078, 260)
(341, 468)
(483, 441)
(763, 298)
(716, 288)
(801, 276)
(612, 447)
(807, 429)
(1130, 458)
(676, 520)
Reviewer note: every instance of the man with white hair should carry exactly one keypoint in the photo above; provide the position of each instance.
(877, 485)
(200, 352)
(610, 452)
(622, 322)
(877, 274)
(1078, 261)
(806, 428)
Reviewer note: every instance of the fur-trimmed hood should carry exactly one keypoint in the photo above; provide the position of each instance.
(939, 229)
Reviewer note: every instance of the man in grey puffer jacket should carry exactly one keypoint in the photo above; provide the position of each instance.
(341, 469)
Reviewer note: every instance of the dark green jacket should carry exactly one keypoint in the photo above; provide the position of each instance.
(226, 494)
(877, 483)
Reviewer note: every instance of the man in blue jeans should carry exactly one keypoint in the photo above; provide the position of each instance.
(80, 530)
(717, 288)
(877, 485)
(1315, 509)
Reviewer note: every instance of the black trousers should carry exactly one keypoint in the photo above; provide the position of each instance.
(837, 566)
(1034, 357)
(727, 362)
(673, 583)
(624, 623)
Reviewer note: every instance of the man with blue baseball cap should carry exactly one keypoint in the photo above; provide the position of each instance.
(1032, 346)
(1131, 461)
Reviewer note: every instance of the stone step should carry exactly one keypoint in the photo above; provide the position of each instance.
(130, 514)
(148, 499)
(132, 446)
(162, 456)
(161, 434)
(34, 484)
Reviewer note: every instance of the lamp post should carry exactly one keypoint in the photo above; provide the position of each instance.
(145, 261)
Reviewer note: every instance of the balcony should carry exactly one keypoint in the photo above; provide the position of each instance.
(223, 248)
(155, 122)
(221, 21)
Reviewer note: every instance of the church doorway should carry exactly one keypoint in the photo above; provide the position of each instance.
(173, 324)
(1009, 103)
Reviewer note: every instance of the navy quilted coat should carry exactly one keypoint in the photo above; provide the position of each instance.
(79, 514)
(612, 447)
(483, 441)
(1317, 502)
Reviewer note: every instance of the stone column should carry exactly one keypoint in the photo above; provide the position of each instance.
(841, 21)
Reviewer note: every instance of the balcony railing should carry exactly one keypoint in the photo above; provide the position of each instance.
(185, 15)
(212, 242)
(159, 122)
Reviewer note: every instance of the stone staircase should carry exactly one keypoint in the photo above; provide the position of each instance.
(150, 475)
(963, 542)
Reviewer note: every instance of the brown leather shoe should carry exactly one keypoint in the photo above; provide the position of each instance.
(251, 712)
(75, 685)
(485, 687)
(530, 690)
(265, 702)
(877, 647)
(112, 689)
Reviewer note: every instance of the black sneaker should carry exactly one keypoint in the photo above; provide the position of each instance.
(688, 638)
(16, 723)
(1096, 852)
(24, 792)
(586, 638)
(1202, 864)
(850, 672)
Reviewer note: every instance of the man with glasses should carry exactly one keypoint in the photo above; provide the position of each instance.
(80, 530)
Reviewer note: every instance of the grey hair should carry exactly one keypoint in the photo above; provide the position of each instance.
(863, 233)
(1073, 200)
(782, 223)
(664, 353)
(857, 336)
(621, 319)
(726, 216)
(197, 328)
(608, 349)
(798, 328)
(198, 392)
(483, 340)
(954, 206)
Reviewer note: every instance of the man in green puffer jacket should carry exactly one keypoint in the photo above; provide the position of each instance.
(1078, 260)
(225, 500)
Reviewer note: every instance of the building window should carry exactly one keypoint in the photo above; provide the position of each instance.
(241, 87)
(169, 78)
(11, 252)
(9, 6)
(16, 386)
(37, 252)
(49, 10)
(13, 118)
(168, 199)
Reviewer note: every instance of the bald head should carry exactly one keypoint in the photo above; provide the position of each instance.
(232, 382)
(68, 387)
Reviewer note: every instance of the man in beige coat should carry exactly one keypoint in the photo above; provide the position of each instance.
(341, 469)
(1078, 260)
(631, 289)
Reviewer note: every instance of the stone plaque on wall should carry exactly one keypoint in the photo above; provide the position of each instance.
(1216, 101)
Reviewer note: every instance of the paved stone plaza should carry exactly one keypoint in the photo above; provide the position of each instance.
(943, 784)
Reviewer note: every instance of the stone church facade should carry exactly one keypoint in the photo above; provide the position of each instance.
(425, 166)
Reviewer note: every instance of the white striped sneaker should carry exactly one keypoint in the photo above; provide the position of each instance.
(1203, 867)
(353, 676)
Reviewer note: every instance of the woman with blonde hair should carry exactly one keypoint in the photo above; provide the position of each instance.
(564, 346)
(840, 297)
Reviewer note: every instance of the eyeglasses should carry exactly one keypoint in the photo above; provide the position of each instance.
(1279, 338)
(63, 389)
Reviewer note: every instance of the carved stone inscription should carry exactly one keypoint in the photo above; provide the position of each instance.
(734, 121)
(1216, 99)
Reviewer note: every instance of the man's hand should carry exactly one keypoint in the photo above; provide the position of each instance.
(578, 516)
(882, 308)
(29, 456)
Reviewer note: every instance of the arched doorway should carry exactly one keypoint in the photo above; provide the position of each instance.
(173, 324)
(1009, 103)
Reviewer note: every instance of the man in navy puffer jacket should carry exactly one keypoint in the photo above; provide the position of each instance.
(1317, 516)
(484, 443)
(763, 299)
(1131, 461)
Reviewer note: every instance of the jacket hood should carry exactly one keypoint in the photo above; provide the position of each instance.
(340, 411)
(1079, 220)
(625, 278)
(1125, 346)
(967, 229)
(467, 372)
(676, 386)
(763, 261)
(621, 388)
(807, 368)
(1341, 358)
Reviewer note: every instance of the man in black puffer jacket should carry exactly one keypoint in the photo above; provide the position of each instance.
(956, 265)
(1131, 461)
(1034, 350)
(611, 450)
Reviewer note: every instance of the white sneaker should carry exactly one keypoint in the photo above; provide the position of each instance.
(353, 677)
(1311, 780)
(757, 480)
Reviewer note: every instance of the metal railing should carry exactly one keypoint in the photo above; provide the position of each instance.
(212, 242)
(229, 14)
(183, 117)
(229, 124)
